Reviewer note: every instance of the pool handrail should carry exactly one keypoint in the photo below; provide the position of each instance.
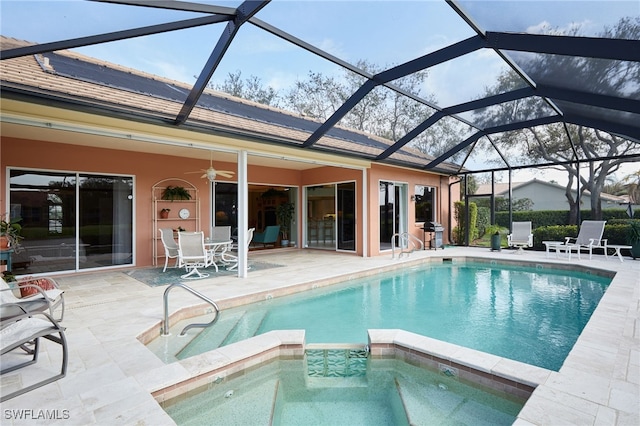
(407, 240)
(165, 322)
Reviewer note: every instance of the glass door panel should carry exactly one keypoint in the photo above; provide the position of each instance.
(106, 221)
(393, 211)
(321, 217)
(346, 222)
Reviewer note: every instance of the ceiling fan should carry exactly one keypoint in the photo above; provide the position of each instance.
(211, 173)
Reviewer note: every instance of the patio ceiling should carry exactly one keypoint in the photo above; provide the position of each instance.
(487, 38)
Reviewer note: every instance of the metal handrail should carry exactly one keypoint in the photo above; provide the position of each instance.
(406, 239)
(165, 323)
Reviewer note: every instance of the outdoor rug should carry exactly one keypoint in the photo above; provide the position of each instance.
(155, 277)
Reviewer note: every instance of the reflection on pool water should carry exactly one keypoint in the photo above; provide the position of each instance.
(532, 315)
(390, 393)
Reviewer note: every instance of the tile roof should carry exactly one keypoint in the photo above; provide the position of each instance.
(69, 76)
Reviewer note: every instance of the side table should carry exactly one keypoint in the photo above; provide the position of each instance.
(6, 256)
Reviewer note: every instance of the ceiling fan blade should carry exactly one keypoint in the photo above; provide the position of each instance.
(225, 173)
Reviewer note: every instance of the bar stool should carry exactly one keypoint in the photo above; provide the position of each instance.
(327, 230)
(312, 227)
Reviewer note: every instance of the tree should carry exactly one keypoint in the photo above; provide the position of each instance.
(633, 187)
(317, 97)
(383, 112)
(250, 88)
(557, 143)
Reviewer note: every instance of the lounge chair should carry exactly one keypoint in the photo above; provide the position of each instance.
(231, 259)
(269, 236)
(193, 254)
(35, 299)
(23, 332)
(520, 236)
(170, 247)
(589, 237)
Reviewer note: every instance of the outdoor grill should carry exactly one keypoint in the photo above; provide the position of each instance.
(435, 238)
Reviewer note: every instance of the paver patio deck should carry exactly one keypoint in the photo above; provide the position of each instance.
(111, 372)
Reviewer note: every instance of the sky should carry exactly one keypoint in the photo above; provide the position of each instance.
(385, 33)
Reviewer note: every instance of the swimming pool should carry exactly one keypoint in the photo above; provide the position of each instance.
(532, 315)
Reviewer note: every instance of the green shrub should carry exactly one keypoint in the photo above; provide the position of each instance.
(483, 221)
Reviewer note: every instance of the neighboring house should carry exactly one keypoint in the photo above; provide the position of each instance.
(87, 148)
(548, 195)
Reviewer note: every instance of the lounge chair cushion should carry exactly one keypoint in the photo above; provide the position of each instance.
(20, 330)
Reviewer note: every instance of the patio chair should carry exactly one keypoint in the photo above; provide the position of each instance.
(24, 332)
(520, 236)
(220, 233)
(36, 295)
(269, 236)
(589, 237)
(170, 247)
(193, 255)
(230, 258)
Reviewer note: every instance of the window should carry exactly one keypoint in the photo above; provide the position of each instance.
(425, 199)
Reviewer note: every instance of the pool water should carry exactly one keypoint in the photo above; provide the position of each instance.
(532, 315)
(391, 393)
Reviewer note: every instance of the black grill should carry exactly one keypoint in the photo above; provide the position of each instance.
(433, 227)
(435, 238)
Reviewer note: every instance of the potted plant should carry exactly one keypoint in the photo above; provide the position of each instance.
(284, 214)
(10, 233)
(164, 213)
(172, 193)
(633, 238)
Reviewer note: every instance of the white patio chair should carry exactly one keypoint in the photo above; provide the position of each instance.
(589, 237)
(41, 300)
(193, 255)
(231, 259)
(520, 236)
(24, 332)
(220, 233)
(170, 247)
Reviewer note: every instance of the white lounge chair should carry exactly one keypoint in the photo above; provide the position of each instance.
(41, 300)
(520, 236)
(193, 255)
(23, 332)
(589, 237)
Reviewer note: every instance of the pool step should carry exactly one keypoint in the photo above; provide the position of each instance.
(211, 337)
(336, 365)
(247, 326)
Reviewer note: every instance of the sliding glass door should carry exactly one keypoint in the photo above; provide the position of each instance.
(330, 218)
(71, 221)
